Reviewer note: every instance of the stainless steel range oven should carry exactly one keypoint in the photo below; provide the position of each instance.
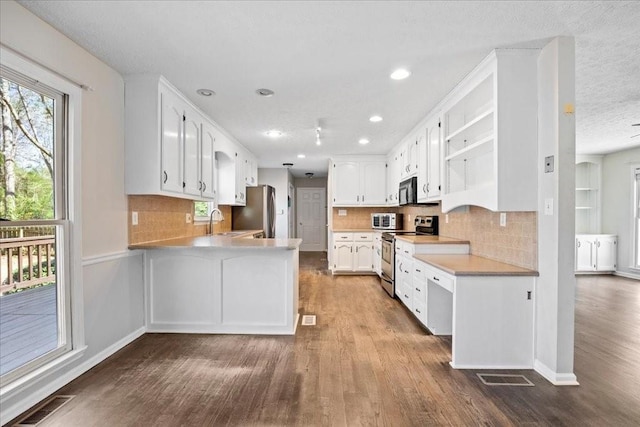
(425, 225)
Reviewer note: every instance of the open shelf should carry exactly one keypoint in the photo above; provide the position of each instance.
(478, 148)
(471, 123)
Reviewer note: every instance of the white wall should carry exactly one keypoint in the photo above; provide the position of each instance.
(555, 288)
(617, 199)
(278, 178)
(112, 276)
(320, 182)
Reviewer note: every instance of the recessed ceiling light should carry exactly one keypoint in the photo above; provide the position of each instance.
(364, 141)
(274, 133)
(375, 119)
(205, 92)
(265, 92)
(301, 156)
(400, 74)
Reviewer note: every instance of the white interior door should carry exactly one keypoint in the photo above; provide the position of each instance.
(311, 218)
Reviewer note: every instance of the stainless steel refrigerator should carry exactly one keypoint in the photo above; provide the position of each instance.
(259, 213)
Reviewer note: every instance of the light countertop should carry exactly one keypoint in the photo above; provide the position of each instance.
(437, 240)
(354, 230)
(472, 265)
(233, 240)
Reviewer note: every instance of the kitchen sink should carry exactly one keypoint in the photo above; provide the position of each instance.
(229, 233)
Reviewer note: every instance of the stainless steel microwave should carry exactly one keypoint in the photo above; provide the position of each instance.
(386, 221)
(408, 192)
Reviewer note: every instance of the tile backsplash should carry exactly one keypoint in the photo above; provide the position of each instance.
(516, 243)
(161, 217)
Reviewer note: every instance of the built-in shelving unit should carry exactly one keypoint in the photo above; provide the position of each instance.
(490, 128)
(588, 195)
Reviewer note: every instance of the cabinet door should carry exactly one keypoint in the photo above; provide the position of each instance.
(241, 190)
(606, 253)
(250, 171)
(346, 183)
(373, 183)
(433, 159)
(404, 161)
(393, 178)
(422, 167)
(343, 256)
(208, 162)
(191, 183)
(412, 154)
(363, 257)
(172, 133)
(585, 251)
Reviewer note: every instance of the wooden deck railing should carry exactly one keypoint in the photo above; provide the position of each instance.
(26, 261)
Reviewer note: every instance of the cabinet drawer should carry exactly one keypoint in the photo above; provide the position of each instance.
(404, 248)
(440, 279)
(419, 291)
(343, 237)
(419, 272)
(420, 311)
(405, 296)
(362, 237)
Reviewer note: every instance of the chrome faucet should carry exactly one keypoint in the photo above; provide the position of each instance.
(220, 218)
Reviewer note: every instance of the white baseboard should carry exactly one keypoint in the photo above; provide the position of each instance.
(493, 367)
(555, 378)
(17, 408)
(627, 274)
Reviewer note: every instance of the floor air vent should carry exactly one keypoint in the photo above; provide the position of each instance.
(309, 320)
(505, 379)
(43, 411)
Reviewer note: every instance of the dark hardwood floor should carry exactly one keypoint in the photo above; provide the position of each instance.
(367, 362)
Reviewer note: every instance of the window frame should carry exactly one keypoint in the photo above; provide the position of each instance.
(635, 216)
(70, 239)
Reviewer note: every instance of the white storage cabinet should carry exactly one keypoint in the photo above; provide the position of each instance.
(359, 182)
(352, 252)
(490, 135)
(596, 252)
(164, 154)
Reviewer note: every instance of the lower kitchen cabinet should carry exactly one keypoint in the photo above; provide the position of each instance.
(235, 291)
(352, 253)
(489, 316)
(596, 252)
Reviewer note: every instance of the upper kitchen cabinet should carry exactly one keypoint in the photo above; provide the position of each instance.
(433, 143)
(231, 173)
(409, 158)
(359, 181)
(393, 178)
(163, 150)
(490, 135)
(250, 170)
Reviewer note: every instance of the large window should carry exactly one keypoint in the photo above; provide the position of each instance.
(35, 310)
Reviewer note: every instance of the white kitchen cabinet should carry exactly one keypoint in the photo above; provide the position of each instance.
(596, 252)
(231, 172)
(433, 142)
(169, 143)
(409, 156)
(490, 135)
(352, 252)
(423, 170)
(359, 182)
(208, 185)
(250, 170)
(377, 252)
(393, 178)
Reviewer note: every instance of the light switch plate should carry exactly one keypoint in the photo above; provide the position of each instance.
(446, 218)
(342, 212)
(503, 219)
(134, 218)
(188, 218)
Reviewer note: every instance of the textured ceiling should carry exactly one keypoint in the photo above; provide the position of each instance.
(331, 61)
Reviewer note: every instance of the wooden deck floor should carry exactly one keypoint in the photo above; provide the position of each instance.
(367, 362)
(28, 326)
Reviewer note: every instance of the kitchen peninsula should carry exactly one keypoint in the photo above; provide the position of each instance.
(221, 284)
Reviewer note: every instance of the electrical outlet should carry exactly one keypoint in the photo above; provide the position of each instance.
(503, 219)
(446, 218)
(134, 218)
(188, 218)
(342, 212)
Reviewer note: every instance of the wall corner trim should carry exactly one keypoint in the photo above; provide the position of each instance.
(555, 378)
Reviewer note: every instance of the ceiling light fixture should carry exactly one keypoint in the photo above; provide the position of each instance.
(309, 174)
(318, 129)
(375, 119)
(301, 156)
(364, 141)
(400, 74)
(287, 165)
(265, 92)
(274, 133)
(205, 92)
